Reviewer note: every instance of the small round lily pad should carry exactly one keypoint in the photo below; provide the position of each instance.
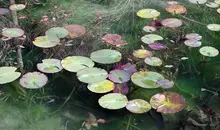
(101, 87)
(151, 38)
(142, 53)
(172, 22)
(4, 11)
(33, 80)
(138, 106)
(214, 27)
(176, 9)
(106, 56)
(119, 76)
(168, 102)
(209, 51)
(121, 88)
(153, 61)
(92, 75)
(50, 66)
(12, 32)
(149, 29)
(58, 32)
(148, 13)
(113, 101)
(165, 83)
(212, 5)
(46, 41)
(157, 46)
(75, 30)
(218, 10)
(8, 74)
(198, 1)
(17, 7)
(113, 39)
(193, 36)
(76, 63)
(193, 43)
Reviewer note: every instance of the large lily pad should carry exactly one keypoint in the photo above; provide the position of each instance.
(151, 38)
(148, 13)
(106, 56)
(218, 10)
(101, 87)
(46, 41)
(50, 66)
(92, 75)
(33, 80)
(214, 27)
(76, 63)
(58, 32)
(75, 30)
(193, 43)
(4, 11)
(8, 74)
(113, 101)
(119, 76)
(176, 9)
(209, 51)
(153, 61)
(168, 102)
(17, 7)
(138, 106)
(172, 22)
(142, 53)
(12, 32)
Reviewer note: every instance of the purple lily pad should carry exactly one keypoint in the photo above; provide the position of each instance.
(128, 67)
(119, 76)
(165, 83)
(4, 11)
(157, 46)
(121, 88)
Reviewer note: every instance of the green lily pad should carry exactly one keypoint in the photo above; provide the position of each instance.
(198, 1)
(138, 106)
(209, 51)
(113, 101)
(76, 63)
(8, 74)
(17, 7)
(153, 61)
(46, 41)
(101, 87)
(58, 32)
(92, 75)
(33, 80)
(12, 32)
(151, 38)
(106, 56)
(50, 66)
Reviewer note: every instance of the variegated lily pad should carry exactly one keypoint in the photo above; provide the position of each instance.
(153, 61)
(138, 106)
(214, 27)
(50, 66)
(212, 5)
(193, 36)
(101, 87)
(113, 101)
(92, 75)
(17, 7)
(148, 13)
(8, 74)
(58, 32)
(119, 76)
(168, 102)
(209, 51)
(75, 30)
(149, 29)
(142, 53)
(193, 43)
(4, 11)
(172, 22)
(165, 83)
(176, 9)
(198, 1)
(151, 38)
(46, 41)
(106, 56)
(33, 80)
(12, 32)
(76, 63)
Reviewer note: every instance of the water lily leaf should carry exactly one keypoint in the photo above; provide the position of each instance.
(209, 51)
(113, 39)
(151, 38)
(214, 27)
(8, 74)
(128, 67)
(172, 22)
(198, 1)
(33, 80)
(142, 53)
(58, 32)
(4, 11)
(106, 56)
(76, 63)
(153, 61)
(75, 30)
(168, 102)
(113, 101)
(17, 7)
(148, 13)
(172, 3)
(176, 9)
(50, 66)
(193, 43)
(92, 75)
(218, 10)
(149, 29)
(121, 88)
(119, 76)
(46, 41)
(212, 5)
(157, 46)
(101, 87)
(165, 83)
(12, 32)
(193, 36)
(217, 2)
(138, 106)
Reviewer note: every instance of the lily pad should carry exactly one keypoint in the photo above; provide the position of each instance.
(218, 10)
(12, 32)
(214, 27)
(212, 5)
(138, 106)
(75, 30)
(113, 39)
(157, 46)
(46, 41)
(198, 1)
(76, 63)
(209, 51)
(101, 87)
(17, 7)
(128, 67)
(153, 61)
(142, 53)
(113, 101)
(148, 13)
(172, 22)
(151, 38)
(193, 43)
(165, 83)
(33, 80)
(168, 102)
(92, 75)
(106, 56)
(50, 66)
(149, 29)
(176, 9)
(193, 36)
(119, 76)
(4, 11)
(121, 88)
(217, 2)
(8, 74)
(58, 32)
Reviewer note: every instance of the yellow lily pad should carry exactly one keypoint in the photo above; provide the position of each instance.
(101, 87)
(217, 2)
(209, 51)
(142, 53)
(218, 10)
(148, 13)
(214, 27)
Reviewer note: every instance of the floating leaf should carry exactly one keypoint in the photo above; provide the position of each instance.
(218, 10)
(138, 106)
(46, 41)
(193, 36)
(153, 61)
(106, 56)
(148, 13)
(149, 29)
(209, 51)
(193, 43)
(119, 76)
(12, 32)
(142, 53)
(17, 7)
(172, 22)
(113, 101)
(4, 11)
(75, 30)
(172, 2)
(212, 5)
(92, 75)
(113, 39)
(165, 83)
(198, 1)
(176, 9)
(121, 88)
(58, 32)
(50, 66)
(8, 74)
(168, 102)
(157, 46)
(128, 67)
(76, 63)
(101, 87)
(214, 27)
(217, 2)
(33, 80)
(151, 38)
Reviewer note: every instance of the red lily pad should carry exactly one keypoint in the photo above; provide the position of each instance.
(121, 88)
(128, 67)
(75, 30)
(119, 76)
(157, 46)
(172, 22)
(113, 39)
(4, 11)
